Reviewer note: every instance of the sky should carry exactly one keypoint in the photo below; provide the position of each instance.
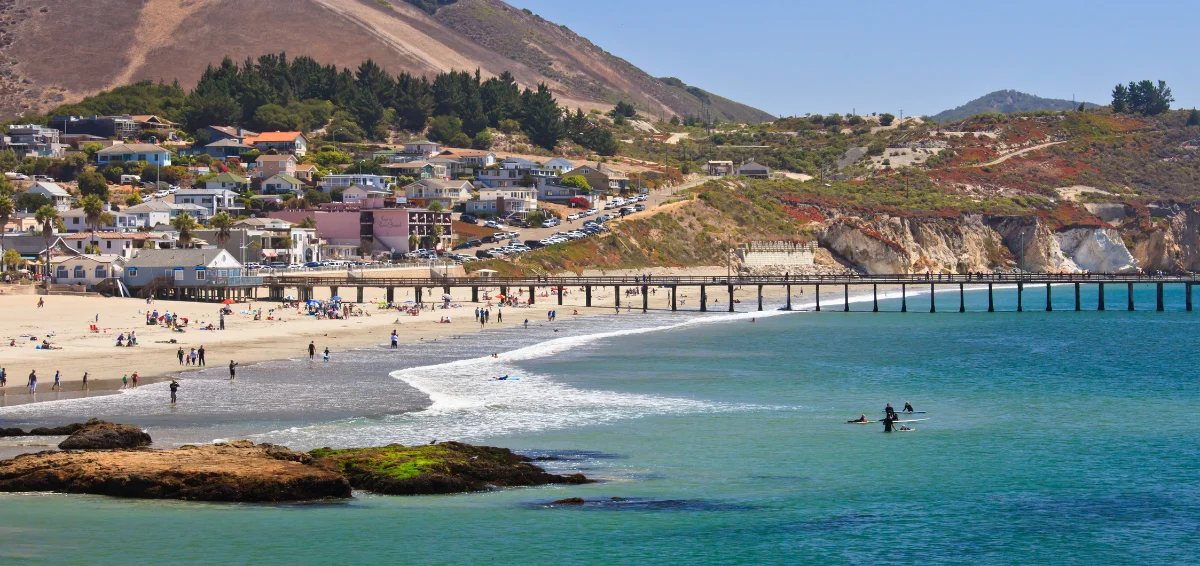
(795, 57)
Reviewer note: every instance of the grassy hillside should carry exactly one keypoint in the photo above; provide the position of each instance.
(1004, 102)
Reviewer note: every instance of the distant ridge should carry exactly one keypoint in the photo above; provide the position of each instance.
(1005, 102)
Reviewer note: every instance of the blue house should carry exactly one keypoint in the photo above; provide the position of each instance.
(123, 152)
(187, 273)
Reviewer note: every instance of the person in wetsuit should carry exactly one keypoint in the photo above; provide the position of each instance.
(889, 410)
(888, 421)
(908, 408)
(861, 419)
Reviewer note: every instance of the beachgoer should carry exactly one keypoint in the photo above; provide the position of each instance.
(57, 381)
(527, 324)
(174, 388)
(232, 371)
(200, 354)
(124, 381)
(135, 379)
(41, 303)
(32, 382)
(180, 355)
(3, 377)
(327, 353)
(905, 428)
(312, 351)
(395, 340)
(194, 356)
(908, 408)
(888, 421)
(861, 419)
(85, 378)
(889, 410)
(222, 320)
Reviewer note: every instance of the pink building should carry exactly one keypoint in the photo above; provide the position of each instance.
(352, 231)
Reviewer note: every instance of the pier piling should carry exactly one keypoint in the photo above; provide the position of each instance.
(788, 289)
(359, 295)
(645, 298)
(730, 297)
(903, 297)
(1187, 291)
(1020, 297)
(760, 305)
(1129, 294)
(1049, 306)
(617, 295)
(874, 297)
(818, 296)
(1158, 293)
(991, 299)
(962, 299)
(932, 299)
(703, 299)
(1077, 297)
(674, 296)
(587, 295)
(1100, 301)
(846, 298)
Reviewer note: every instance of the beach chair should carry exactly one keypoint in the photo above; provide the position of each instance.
(92, 327)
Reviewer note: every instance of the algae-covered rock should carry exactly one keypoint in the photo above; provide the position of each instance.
(449, 467)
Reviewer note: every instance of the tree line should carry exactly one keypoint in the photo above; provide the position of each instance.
(1142, 97)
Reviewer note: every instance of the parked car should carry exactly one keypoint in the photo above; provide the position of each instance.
(278, 265)
(483, 254)
(573, 216)
(474, 243)
(534, 244)
(639, 207)
(468, 218)
(313, 264)
(252, 265)
(491, 224)
(490, 239)
(462, 246)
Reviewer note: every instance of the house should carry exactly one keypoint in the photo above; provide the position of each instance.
(498, 177)
(263, 224)
(268, 239)
(558, 165)
(453, 168)
(218, 133)
(204, 267)
(418, 170)
(600, 178)
(449, 193)
(354, 231)
(211, 200)
(305, 172)
(157, 212)
(754, 170)
(32, 140)
(504, 202)
(226, 148)
(423, 148)
(74, 220)
(57, 195)
(558, 194)
(122, 152)
(117, 243)
(114, 127)
(87, 270)
(381, 182)
(357, 194)
(33, 246)
(282, 183)
(283, 142)
(470, 158)
(152, 122)
(720, 168)
(228, 181)
(267, 166)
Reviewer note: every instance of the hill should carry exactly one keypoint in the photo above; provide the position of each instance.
(1005, 102)
(132, 40)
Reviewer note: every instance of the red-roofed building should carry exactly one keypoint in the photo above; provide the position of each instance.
(284, 142)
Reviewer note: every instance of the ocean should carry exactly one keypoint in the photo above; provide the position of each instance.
(1057, 437)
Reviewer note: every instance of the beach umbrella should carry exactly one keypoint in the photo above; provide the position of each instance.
(228, 302)
(290, 298)
(335, 298)
(499, 296)
(314, 302)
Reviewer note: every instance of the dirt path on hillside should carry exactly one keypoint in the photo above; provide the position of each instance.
(1002, 159)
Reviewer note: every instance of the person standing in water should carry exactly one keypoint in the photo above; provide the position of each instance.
(200, 353)
(327, 353)
(135, 377)
(312, 351)
(174, 388)
(4, 379)
(124, 381)
(32, 382)
(85, 378)
(57, 381)
(888, 422)
(395, 340)
(232, 369)
(889, 411)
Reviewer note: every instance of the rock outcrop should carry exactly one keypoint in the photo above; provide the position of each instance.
(449, 467)
(236, 471)
(103, 435)
(1096, 250)
(889, 244)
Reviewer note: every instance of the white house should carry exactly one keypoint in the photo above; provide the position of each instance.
(471, 158)
(213, 201)
(428, 191)
(558, 165)
(57, 195)
(282, 184)
(380, 182)
(504, 202)
(227, 181)
(122, 152)
(74, 220)
(87, 269)
(425, 148)
(357, 194)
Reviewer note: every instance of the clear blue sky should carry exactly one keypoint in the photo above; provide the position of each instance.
(790, 57)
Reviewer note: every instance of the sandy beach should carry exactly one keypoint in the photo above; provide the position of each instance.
(66, 322)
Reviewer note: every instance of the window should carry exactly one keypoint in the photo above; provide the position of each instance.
(79, 245)
(200, 274)
(132, 271)
(75, 221)
(179, 274)
(101, 273)
(108, 244)
(61, 272)
(80, 272)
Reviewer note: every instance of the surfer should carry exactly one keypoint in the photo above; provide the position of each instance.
(887, 422)
(908, 408)
(889, 411)
(862, 419)
(905, 428)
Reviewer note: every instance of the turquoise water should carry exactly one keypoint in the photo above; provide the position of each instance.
(1051, 438)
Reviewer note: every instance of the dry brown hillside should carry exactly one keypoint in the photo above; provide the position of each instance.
(53, 51)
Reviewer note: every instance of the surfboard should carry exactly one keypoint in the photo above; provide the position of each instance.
(861, 422)
(911, 421)
(907, 413)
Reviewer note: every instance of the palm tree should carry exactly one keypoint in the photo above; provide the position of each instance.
(307, 222)
(438, 231)
(93, 211)
(413, 241)
(6, 210)
(222, 222)
(184, 223)
(48, 217)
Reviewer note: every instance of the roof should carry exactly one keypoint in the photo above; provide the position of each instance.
(421, 142)
(108, 236)
(228, 177)
(306, 167)
(225, 130)
(98, 258)
(30, 244)
(442, 184)
(519, 160)
(720, 162)
(149, 117)
(227, 142)
(178, 257)
(132, 148)
(467, 152)
(283, 157)
(51, 188)
(263, 222)
(276, 137)
(558, 161)
(285, 178)
(409, 165)
(753, 165)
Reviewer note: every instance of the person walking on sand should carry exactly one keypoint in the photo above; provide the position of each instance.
(222, 319)
(4, 379)
(194, 356)
(200, 352)
(499, 315)
(32, 382)
(312, 351)
(124, 381)
(41, 302)
(527, 324)
(57, 381)
(232, 369)
(180, 355)
(174, 388)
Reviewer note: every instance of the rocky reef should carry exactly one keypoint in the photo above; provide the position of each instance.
(104, 458)
(449, 467)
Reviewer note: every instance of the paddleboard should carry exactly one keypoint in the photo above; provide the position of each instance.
(860, 422)
(907, 413)
(911, 421)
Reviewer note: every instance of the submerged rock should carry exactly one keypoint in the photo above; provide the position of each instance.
(237, 471)
(103, 435)
(449, 467)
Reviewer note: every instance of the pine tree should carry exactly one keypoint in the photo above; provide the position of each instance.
(1194, 118)
(542, 117)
